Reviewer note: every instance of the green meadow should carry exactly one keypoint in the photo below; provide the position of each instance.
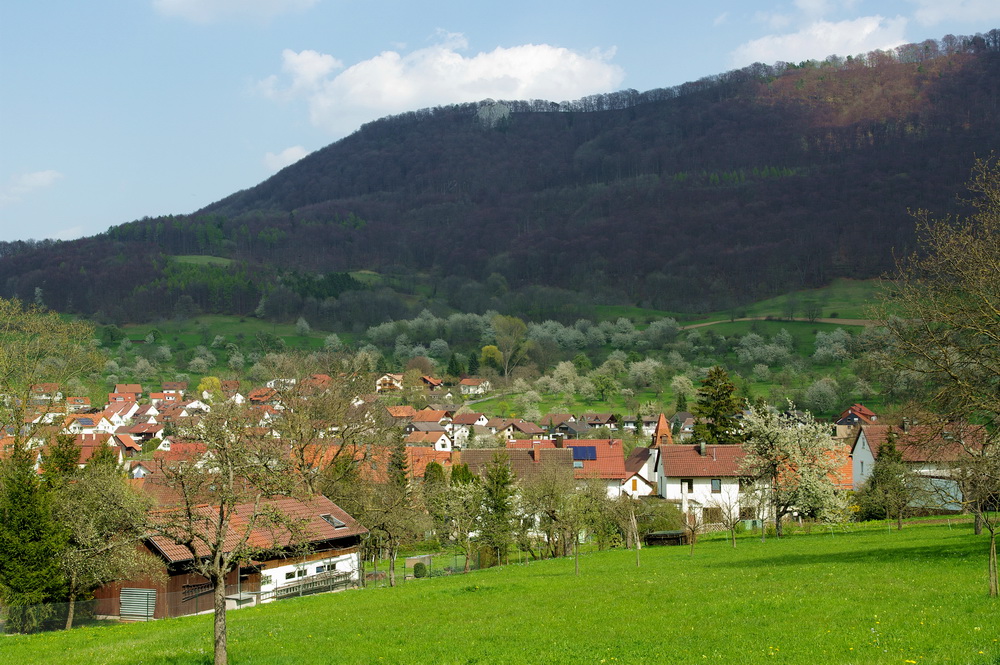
(846, 597)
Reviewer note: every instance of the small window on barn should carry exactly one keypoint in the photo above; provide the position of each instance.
(290, 575)
(716, 485)
(320, 569)
(332, 521)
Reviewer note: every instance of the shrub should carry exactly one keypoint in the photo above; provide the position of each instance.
(419, 569)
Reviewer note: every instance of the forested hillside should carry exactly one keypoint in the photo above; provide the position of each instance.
(703, 196)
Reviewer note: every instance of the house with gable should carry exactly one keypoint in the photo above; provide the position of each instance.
(474, 386)
(929, 452)
(701, 479)
(130, 389)
(436, 440)
(279, 571)
(640, 473)
(463, 426)
(601, 459)
(175, 387)
(389, 382)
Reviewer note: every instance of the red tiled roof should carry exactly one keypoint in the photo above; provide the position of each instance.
(924, 443)
(309, 510)
(404, 411)
(262, 394)
(417, 459)
(555, 419)
(687, 461)
(472, 382)
(609, 462)
(466, 418)
(181, 451)
(429, 416)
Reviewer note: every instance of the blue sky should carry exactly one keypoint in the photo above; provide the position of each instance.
(112, 110)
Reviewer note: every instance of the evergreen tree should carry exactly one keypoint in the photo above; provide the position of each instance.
(460, 475)
(397, 467)
(498, 507)
(60, 460)
(717, 408)
(885, 495)
(31, 542)
(473, 364)
(433, 475)
(454, 367)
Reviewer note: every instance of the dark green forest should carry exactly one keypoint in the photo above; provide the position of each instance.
(698, 197)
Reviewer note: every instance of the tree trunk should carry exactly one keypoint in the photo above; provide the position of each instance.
(392, 566)
(576, 547)
(777, 525)
(978, 524)
(732, 532)
(468, 552)
(72, 606)
(221, 651)
(993, 564)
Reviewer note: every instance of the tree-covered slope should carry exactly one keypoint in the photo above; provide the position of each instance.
(697, 197)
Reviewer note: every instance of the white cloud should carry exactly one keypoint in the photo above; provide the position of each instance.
(932, 12)
(25, 183)
(720, 19)
(393, 82)
(209, 11)
(287, 157)
(822, 38)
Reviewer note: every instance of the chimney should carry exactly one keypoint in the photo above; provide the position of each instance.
(701, 448)
(558, 439)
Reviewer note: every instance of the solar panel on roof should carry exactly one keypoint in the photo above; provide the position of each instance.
(584, 452)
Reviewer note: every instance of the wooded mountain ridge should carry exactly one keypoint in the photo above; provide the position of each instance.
(699, 197)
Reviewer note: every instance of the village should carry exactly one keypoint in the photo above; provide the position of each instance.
(153, 433)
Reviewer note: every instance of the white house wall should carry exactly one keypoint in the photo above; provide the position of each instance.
(273, 578)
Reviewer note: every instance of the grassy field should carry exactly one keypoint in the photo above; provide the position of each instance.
(864, 597)
(202, 260)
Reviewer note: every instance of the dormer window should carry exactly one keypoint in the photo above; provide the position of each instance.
(332, 521)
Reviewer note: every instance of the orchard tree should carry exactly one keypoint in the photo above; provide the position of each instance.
(104, 520)
(222, 498)
(509, 333)
(793, 458)
(941, 322)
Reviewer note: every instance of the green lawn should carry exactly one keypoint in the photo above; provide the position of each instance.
(864, 597)
(202, 260)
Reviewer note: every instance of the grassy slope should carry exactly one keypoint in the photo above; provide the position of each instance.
(861, 597)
